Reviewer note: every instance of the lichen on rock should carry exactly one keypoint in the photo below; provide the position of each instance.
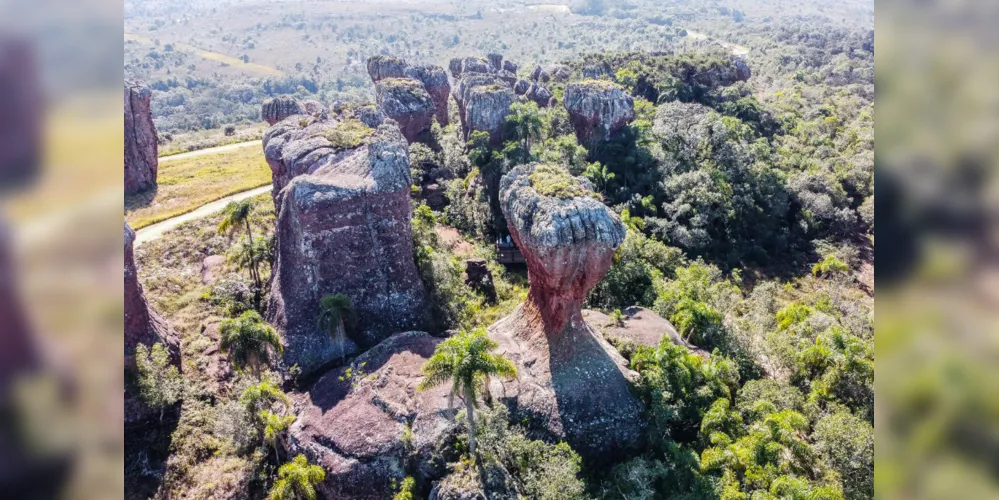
(598, 109)
(407, 102)
(141, 163)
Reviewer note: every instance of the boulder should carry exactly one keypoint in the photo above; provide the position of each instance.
(571, 383)
(476, 65)
(455, 66)
(540, 75)
(140, 139)
(278, 108)
(597, 109)
(368, 429)
(370, 115)
(315, 109)
(483, 103)
(495, 60)
(480, 278)
(343, 226)
(142, 326)
(559, 72)
(521, 87)
(382, 67)
(596, 71)
(539, 94)
(435, 82)
(508, 77)
(509, 66)
(407, 102)
(642, 327)
(435, 195)
(742, 71)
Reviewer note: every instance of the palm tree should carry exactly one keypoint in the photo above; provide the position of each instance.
(275, 426)
(249, 341)
(235, 214)
(247, 256)
(465, 361)
(334, 311)
(297, 479)
(599, 175)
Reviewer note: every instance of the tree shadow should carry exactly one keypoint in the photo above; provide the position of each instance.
(147, 448)
(142, 199)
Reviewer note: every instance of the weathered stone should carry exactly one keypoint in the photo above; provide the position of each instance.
(597, 109)
(642, 327)
(435, 82)
(407, 102)
(23, 110)
(571, 383)
(483, 103)
(509, 66)
(507, 77)
(539, 94)
(382, 67)
(742, 71)
(315, 109)
(495, 60)
(476, 65)
(278, 108)
(370, 115)
(540, 75)
(343, 226)
(455, 66)
(211, 269)
(355, 426)
(140, 139)
(142, 326)
(435, 196)
(559, 72)
(297, 147)
(480, 278)
(596, 71)
(521, 87)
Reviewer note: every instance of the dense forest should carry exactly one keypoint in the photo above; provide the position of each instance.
(748, 205)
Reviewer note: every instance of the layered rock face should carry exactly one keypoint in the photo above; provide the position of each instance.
(435, 81)
(597, 109)
(539, 94)
(496, 61)
(142, 326)
(382, 67)
(343, 226)
(22, 112)
(140, 139)
(276, 109)
(405, 101)
(742, 71)
(354, 428)
(483, 102)
(572, 385)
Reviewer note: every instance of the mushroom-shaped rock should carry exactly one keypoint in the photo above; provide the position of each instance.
(142, 326)
(407, 102)
(521, 87)
(483, 103)
(571, 383)
(434, 80)
(455, 67)
(495, 60)
(278, 108)
(140, 139)
(509, 66)
(597, 109)
(539, 94)
(343, 226)
(355, 424)
(382, 67)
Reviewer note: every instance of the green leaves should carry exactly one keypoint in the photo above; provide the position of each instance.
(297, 479)
(248, 341)
(160, 383)
(465, 357)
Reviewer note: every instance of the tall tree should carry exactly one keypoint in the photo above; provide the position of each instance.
(275, 427)
(466, 362)
(234, 215)
(249, 342)
(297, 480)
(160, 383)
(335, 311)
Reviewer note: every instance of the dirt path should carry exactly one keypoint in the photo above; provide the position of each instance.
(154, 231)
(208, 151)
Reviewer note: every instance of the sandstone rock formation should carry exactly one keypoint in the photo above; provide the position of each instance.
(597, 109)
(408, 103)
(480, 278)
(596, 71)
(370, 115)
(140, 139)
(539, 94)
(142, 326)
(483, 102)
(559, 72)
(315, 109)
(495, 60)
(540, 75)
(509, 66)
(434, 80)
(343, 226)
(642, 327)
(742, 71)
(571, 384)
(382, 67)
(23, 110)
(521, 87)
(355, 427)
(278, 108)
(455, 67)
(476, 65)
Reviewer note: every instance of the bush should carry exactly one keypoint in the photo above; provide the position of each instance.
(453, 303)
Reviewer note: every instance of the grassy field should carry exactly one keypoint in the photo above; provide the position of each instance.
(186, 184)
(203, 139)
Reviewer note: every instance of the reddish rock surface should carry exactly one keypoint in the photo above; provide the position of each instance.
(298, 147)
(278, 108)
(140, 139)
(572, 384)
(598, 109)
(642, 327)
(142, 326)
(483, 102)
(382, 67)
(343, 226)
(354, 427)
(22, 112)
(407, 102)
(435, 81)
(211, 269)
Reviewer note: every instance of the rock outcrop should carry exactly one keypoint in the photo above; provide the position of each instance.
(315, 109)
(343, 226)
(455, 67)
(597, 109)
(356, 426)
(370, 115)
(142, 326)
(479, 278)
(641, 327)
(742, 71)
(539, 94)
(476, 65)
(382, 67)
(483, 102)
(140, 139)
(21, 142)
(521, 87)
(278, 108)
(596, 71)
(540, 75)
(559, 72)
(571, 383)
(435, 81)
(509, 66)
(495, 60)
(407, 102)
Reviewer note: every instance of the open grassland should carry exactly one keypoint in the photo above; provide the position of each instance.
(188, 183)
(195, 140)
(235, 62)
